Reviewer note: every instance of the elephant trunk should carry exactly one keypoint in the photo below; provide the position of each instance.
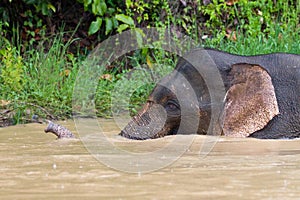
(148, 124)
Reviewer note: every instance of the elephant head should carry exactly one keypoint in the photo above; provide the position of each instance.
(181, 104)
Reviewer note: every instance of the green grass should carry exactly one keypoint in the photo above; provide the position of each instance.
(278, 40)
(128, 90)
(47, 76)
(46, 85)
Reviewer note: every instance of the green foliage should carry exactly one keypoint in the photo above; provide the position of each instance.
(24, 20)
(108, 15)
(127, 91)
(36, 29)
(40, 82)
(118, 17)
(264, 26)
(11, 72)
(40, 75)
(281, 41)
(251, 17)
(95, 26)
(150, 13)
(51, 73)
(217, 18)
(42, 6)
(128, 22)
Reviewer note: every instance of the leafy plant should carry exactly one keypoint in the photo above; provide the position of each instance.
(34, 27)
(12, 71)
(107, 15)
(128, 90)
(43, 6)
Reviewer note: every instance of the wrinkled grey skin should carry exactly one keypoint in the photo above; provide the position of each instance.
(58, 130)
(150, 123)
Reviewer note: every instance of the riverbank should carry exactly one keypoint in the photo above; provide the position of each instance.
(39, 84)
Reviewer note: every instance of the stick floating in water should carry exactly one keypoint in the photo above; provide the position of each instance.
(58, 130)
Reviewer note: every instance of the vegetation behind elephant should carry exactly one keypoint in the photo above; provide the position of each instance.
(261, 98)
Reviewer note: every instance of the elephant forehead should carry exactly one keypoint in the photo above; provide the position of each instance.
(161, 94)
(176, 87)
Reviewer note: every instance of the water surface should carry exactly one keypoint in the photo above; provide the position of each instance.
(34, 165)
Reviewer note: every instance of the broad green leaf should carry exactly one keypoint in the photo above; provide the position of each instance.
(86, 4)
(95, 26)
(94, 8)
(110, 11)
(103, 7)
(44, 9)
(108, 25)
(115, 22)
(128, 3)
(125, 19)
(122, 27)
(99, 7)
(2, 52)
(50, 6)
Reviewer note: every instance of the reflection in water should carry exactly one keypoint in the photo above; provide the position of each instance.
(35, 164)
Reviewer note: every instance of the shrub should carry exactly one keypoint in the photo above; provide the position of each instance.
(11, 72)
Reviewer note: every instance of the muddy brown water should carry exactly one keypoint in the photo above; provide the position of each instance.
(35, 165)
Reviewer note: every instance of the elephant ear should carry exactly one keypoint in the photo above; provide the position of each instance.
(250, 102)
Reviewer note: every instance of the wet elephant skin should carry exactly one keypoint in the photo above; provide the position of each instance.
(181, 102)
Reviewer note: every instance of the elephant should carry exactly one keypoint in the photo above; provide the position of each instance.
(217, 93)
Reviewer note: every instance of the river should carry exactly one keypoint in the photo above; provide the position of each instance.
(35, 165)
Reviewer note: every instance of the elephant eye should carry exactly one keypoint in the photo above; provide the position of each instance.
(171, 106)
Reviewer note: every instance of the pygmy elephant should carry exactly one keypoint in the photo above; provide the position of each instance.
(217, 93)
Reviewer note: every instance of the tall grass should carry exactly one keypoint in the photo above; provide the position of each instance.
(279, 40)
(51, 74)
(47, 81)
